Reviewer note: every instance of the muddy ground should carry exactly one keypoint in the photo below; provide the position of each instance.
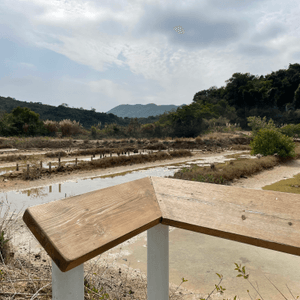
(95, 150)
(128, 281)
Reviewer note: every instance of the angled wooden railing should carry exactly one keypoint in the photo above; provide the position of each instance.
(76, 229)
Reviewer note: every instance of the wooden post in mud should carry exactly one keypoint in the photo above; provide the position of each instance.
(41, 165)
(76, 161)
(50, 166)
(27, 169)
(91, 158)
(17, 167)
(59, 161)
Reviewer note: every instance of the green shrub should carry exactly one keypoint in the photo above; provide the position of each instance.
(271, 141)
(257, 123)
(94, 131)
(291, 130)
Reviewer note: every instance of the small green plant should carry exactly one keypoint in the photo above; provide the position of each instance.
(271, 141)
(182, 281)
(2, 273)
(3, 240)
(256, 123)
(243, 274)
(291, 130)
(218, 287)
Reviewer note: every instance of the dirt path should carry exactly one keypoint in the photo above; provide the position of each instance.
(267, 177)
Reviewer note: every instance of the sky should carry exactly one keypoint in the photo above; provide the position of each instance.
(103, 53)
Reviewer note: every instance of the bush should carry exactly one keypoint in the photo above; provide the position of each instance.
(94, 131)
(256, 123)
(69, 128)
(291, 130)
(270, 141)
(51, 126)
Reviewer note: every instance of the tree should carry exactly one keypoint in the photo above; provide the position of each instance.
(187, 121)
(22, 121)
(296, 102)
(234, 88)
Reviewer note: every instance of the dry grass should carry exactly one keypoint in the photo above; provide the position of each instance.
(11, 158)
(69, 127)
(36, 142)
(35, 172)
(56, 154)
(29, 276)
(108, 162)
(225, 173)
(157, 146)
(240, 147)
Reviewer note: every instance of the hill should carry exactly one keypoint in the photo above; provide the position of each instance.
(87, 118)
(140, 110)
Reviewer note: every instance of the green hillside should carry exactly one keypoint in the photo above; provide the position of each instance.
(87, 118)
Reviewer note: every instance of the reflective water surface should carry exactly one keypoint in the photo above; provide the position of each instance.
(21, 199)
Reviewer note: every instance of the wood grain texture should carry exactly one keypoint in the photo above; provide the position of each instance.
(76, 229)
(266, 219)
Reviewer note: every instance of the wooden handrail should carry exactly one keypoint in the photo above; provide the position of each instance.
(74, 230)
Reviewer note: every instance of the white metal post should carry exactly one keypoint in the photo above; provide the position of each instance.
(67, 285)
(158, 262)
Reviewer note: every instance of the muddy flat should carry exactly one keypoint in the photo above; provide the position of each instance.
(194, 256)
(82, 174)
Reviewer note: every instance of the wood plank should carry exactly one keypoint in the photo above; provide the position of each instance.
(266, 219)
(76, 229)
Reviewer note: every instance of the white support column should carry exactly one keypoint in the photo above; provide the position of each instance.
(67, 285)
(158, 262)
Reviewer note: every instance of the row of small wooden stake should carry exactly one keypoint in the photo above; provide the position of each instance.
(76, 161)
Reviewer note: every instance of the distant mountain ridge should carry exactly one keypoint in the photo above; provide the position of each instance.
(87, 118)
(141, 110)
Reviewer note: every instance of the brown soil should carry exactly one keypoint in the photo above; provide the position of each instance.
(82, 174)
(30, 258)
(29, 268)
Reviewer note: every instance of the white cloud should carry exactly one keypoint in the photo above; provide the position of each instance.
(27, 65)
(109, 88)
(221, 38)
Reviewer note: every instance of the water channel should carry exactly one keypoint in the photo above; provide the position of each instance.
(19, 200)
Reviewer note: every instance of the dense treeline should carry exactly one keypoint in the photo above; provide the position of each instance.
(275, 96)
(87, 118)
